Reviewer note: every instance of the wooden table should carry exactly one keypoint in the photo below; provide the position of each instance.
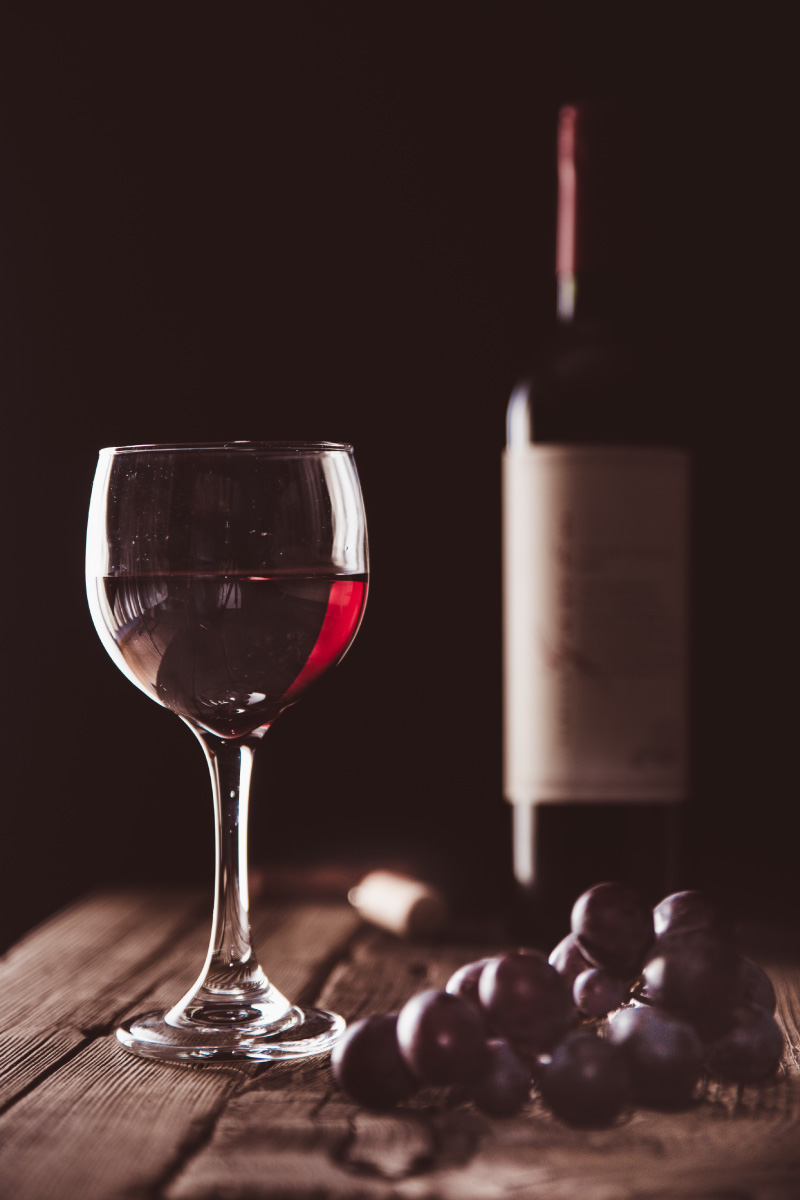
(81, 1119)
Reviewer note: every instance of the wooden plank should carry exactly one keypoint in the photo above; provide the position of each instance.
(268, 1142)
(298, 944)
(105, 1125)
(111, 1125)
(76, 974)
(419, 1141)
(299, 1137)
(649, 1156)
(289, 1148)
(68, 965)
(382, 972)
(128, 951)
(291, 1133)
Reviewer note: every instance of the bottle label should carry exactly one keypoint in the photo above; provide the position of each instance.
(595, 623)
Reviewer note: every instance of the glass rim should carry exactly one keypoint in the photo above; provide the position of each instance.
(277, 448)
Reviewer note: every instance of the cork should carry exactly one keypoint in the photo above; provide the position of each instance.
(401, 904)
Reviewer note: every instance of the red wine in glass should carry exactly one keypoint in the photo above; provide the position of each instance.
(231, 652)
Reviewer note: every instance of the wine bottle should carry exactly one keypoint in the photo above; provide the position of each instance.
(595, 551)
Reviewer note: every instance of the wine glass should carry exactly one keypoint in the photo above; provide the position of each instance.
(223, 579)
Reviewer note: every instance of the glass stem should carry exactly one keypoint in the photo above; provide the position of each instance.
(231, 977)
(232, 963)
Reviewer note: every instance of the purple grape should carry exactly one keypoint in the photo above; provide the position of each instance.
(613, 927)
(567, 959)
(503, 1084)
(664, 1053)
(691, 912)
(695, 977)
(464, 983)
(367, 1063)
(526, 999)
(750, 1050)
(597, 992)
(755, 986)
(585, 1081)
(441, 1037)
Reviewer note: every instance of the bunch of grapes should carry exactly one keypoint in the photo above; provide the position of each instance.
(632, 1006)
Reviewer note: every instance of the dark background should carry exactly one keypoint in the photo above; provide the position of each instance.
(316, 220)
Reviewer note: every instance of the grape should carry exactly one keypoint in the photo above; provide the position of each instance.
(691, 912)
(503, 1083)
(755, 986)
(464, 983)
(664, 1053)
(367, 1063)
(585, 1081)
(441, 1037)
(697, 1002)
(567, 959)
(694, 976)
(526, 999)
(613, 927)
(596, 992)
(750, 1050)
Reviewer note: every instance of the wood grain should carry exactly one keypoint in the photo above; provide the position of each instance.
(112, 1124)
(85, 1121)
(733, 1144)
(75, 976)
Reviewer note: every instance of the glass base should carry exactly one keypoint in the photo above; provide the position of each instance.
(302, 1033)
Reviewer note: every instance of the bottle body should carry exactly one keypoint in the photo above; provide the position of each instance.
(595, 585)
(595, 664)
(595, 614)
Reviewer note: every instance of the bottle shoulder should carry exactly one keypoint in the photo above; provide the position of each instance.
(596, 385)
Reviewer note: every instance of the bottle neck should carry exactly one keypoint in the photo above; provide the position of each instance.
(596, 230)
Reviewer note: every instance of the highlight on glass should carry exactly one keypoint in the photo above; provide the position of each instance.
(223, 580)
